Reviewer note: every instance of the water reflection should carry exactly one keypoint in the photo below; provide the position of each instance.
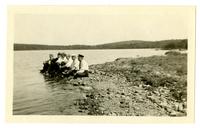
(63, 95)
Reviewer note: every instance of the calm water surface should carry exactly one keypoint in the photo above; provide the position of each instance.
(35, 94)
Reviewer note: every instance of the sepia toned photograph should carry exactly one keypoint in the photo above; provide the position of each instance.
(110, 61)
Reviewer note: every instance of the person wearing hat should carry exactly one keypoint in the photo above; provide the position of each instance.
(83, 67)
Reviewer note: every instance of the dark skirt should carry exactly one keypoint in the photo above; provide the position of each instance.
(82, 74)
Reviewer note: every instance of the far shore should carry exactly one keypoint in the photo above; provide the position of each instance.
(95, 49)
(130, 44)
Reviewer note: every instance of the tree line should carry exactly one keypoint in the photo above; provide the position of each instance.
(132, 44)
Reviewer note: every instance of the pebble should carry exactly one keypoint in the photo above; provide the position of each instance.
(102, 109)
(140, 85)
(168, 75)
(122, 93)
(157, 73)
(75, 84)
(179, 106)
(136, 108)
(164, 104)
(174, 113)
(87, 88)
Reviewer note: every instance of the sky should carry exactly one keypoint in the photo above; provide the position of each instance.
(100, 25)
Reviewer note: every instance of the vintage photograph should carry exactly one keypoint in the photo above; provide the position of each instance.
(102, 61)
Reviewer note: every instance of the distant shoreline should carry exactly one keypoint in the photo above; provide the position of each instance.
(132, 44)
(90, 49)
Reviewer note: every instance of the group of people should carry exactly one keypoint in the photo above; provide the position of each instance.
(66, 65)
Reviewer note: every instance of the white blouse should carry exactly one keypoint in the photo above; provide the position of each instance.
(75, 65)
(83, 66)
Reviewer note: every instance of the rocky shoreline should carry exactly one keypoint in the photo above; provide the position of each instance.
(147, 86)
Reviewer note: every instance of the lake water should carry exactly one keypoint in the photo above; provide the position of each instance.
(37, 95)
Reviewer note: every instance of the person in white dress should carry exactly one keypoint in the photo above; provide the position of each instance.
(69, 61)
(75, 63)
(60, 59)
(74, 67)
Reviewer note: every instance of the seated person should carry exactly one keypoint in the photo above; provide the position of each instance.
(60, 58)
(66, 65)
(83, 68)
(64, 56)
(63, 60)
(69, 62)
(47, 64)
(54, 67)
(75, 63)
(74, 67)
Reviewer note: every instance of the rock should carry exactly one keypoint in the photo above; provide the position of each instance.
(146, 86)
(92, 71)
(122, 93)
(80, 111)
(176, 106)
(140, 86)
(156, 92)
(76, 84)
(168, 75)
(173, 53)
(86, 88)
(164, 104)
(184, 111)
(123, 96)
(153, 99)
(174, 113)
(121, 102)
(136, 108)
(180, 107)
(157, 73)
(169, 110)
(117, 95)
(184, 104)
(102, 109)
(149, 94)
(113, 114)
(103, 73)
